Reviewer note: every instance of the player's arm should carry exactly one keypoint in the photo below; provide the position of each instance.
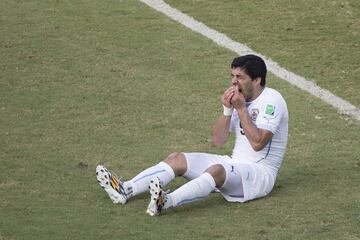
(257, 137)
(220, 131)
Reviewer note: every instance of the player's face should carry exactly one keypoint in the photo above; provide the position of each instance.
(244, 82)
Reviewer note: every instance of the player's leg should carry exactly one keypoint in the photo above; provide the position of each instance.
(207, 173)
(194, 190)
(120, 192)
(200, 187)
(174, 165)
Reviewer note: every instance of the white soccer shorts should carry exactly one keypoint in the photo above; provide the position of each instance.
(244, 180)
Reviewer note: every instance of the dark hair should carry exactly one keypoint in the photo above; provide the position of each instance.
(253, 65)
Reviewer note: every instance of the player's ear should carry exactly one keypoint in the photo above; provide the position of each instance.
(257, 81)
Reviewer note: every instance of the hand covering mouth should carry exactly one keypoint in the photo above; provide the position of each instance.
(234, 85)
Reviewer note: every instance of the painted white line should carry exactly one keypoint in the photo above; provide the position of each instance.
(343, 107)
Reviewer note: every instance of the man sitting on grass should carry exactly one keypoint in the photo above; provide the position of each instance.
(259, 118)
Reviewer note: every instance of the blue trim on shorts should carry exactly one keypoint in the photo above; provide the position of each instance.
(235, 196)
(148, 175)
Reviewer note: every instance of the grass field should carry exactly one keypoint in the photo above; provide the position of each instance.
(318, 42)
(114, 82)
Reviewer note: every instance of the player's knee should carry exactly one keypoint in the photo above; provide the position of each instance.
(217, 171)
(177, 162)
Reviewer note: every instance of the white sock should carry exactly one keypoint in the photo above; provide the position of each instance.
(197, 189)
(140, 183)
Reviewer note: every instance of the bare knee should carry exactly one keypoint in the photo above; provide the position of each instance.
(177, 162)
(217, 171)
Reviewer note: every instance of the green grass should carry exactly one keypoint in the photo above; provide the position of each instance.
(315, 39)
(114, 82)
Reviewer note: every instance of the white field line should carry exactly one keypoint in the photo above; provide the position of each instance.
(343, 107)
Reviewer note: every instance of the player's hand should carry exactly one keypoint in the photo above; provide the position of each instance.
(238, 99)
(226, 97)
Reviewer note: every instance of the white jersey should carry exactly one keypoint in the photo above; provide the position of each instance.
(268, 111)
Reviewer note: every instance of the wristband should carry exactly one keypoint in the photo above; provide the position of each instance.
(227, 111)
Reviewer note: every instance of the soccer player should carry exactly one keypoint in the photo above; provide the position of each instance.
(259, 118)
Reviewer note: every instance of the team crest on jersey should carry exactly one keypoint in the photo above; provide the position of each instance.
(254, 113)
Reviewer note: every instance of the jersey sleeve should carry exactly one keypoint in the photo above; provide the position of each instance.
(271, 114)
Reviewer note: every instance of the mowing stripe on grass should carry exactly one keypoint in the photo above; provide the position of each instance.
(343, 106)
